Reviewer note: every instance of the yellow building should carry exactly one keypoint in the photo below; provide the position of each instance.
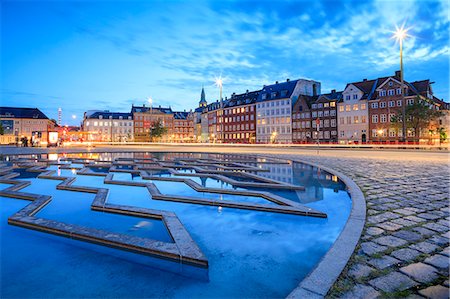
(30, 123)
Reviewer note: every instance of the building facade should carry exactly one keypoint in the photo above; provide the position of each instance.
(301, 120)
(146, 118)
(240, 118)
(108, 126)
(388, 102)
(324, 117)
(183, 127)
(353, 112)
(19, 123)
(274, 109)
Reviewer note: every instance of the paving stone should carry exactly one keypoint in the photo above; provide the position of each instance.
(374, 231)
(361, 291)
(394, 281)
(420, 272)
(436, 227)
(360, 270)
(404, 212)
(371, 248)
(405, 254)
(428, 216)
(383, 262)
(389, 226)
(446, 251)
(424, 231)
(424, 247)
(438, 240)
(408, 235)
(390, 241)
(439, 261)
(435, 292)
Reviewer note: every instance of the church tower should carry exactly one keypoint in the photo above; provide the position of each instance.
(202, 102)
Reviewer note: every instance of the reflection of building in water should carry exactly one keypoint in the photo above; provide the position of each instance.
(278, 172)
(303, 175)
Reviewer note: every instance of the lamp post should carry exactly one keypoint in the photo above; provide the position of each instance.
(219, 83)
(400, 34)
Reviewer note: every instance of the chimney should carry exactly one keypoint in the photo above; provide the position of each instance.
(143, 105)
(247, 91)
(159, 106)
(364, 80)
(276, 82)
(287, 80)
(397, 74)
(333, 91)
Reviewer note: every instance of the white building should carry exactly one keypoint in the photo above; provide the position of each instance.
(353, 112)
(109, 126)
(274, 109)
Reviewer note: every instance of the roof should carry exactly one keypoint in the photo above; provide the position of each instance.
(242, 99)
(159, 109)
(17, 112)
(332, 96)
(181, 115)
(308, 100)
(277, 91)
(107, 115)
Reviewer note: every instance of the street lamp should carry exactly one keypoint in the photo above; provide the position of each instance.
(400, 34)
(74, 116)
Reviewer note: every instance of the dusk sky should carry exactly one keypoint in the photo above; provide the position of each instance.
(86, 55)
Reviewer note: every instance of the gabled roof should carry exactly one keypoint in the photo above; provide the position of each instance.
(159, 109)
(242, 99)
(332, 96)
(280, 90)
(17, 112)
(107, 115)
(181, 115)
(308, 100)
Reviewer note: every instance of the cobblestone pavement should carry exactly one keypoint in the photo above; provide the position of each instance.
(404, 248)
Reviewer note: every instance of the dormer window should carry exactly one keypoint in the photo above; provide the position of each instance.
(273, 94)
(100, 117)
(264, 96)
(121, 117)
(284, 93)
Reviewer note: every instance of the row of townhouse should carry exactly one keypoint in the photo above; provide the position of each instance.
(296, 112)
(293, 111)
(136, 125)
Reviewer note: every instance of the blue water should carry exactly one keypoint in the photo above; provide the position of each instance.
(250, 253)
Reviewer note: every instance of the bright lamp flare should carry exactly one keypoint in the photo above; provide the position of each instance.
(401, 33)
(218, 81)
(150, 100)
(74, 116)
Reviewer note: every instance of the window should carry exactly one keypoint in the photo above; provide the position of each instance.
(410, 101)
(356, 119)
(382, 104)
(355, 96)
(399, 103)
(347, 108)
(341, 120)
(347, 97)
(264, 96)
(333, 113)
(391, 103)
(333, 104)
(326, 123)
(374, 133)
(314, 106)
(326, 105)
(363, 119)
(374, 105)
(341, 108)
(333, 123)
(320, 114)
(399, 91)
(383, 118)
(391, 92)
(375, 118)
(363, 106)
(355, 107)
(326, 113)
(314, 114)
(382, 93)
(390, 83)
(349, 120)
(391, 132)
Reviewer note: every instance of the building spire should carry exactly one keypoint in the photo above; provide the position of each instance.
(202, 102)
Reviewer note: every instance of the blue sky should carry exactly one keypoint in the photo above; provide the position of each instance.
(84, 55)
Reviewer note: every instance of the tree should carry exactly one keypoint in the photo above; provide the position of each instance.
(157, 131)
(418, 117)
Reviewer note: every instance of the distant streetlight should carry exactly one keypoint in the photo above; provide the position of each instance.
(74, 116)
(400, 34)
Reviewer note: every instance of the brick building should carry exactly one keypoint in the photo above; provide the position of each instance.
(183, 127)
(146, 117)
(301, 119)
(240, 118)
